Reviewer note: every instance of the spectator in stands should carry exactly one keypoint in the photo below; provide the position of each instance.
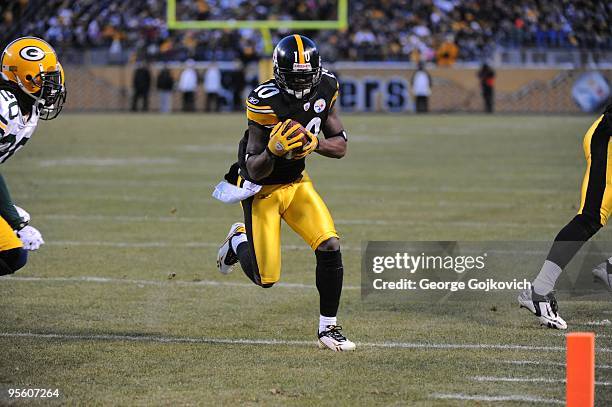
(447, 53)
(486, 75)
(421, 88)
(188, 83)
(212, 87)
(165, 85)
(392, 30)
(141, 85)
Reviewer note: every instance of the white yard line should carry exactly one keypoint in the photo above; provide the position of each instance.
(158, 244)
(369, 222)
(206, 183)
(488, 398)
(244, 341)
(605, 322)
(107, 162)
(162, 244)
(151, 244)
(443, 188)
(165, 283)
(446, 222)
(526, 380)
(203, 198)
(546, 363)
(124, 218)
(597, 335)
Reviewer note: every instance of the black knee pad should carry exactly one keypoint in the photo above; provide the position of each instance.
(571, 238)
(590, 224)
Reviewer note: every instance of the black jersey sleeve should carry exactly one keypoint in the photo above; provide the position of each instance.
(260, 105)
(331, 87)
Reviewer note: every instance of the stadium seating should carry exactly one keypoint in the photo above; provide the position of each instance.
(391, 30)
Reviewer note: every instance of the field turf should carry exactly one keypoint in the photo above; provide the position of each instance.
(123, 305)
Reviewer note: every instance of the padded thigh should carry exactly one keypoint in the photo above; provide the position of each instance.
(13, 260)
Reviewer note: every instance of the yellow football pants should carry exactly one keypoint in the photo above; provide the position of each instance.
(300, 206)
(596, 194)
(8, 238)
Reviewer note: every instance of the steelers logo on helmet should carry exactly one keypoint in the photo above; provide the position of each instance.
(297, 66)
(32, 53)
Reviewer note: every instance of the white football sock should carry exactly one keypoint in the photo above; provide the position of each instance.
(236, 240)
(324, 321)
(545, 281)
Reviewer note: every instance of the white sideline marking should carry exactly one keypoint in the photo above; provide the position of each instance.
(480, 397)
(526, 380)
(545, 363)
(166, 283)
(242, 341)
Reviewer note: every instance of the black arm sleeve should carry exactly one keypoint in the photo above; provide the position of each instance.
(7, 209)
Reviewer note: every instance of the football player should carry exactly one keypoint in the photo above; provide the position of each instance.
(270, 173)
(31, 88)
(594, 212)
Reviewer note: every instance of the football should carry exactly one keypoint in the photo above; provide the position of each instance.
(303, 138)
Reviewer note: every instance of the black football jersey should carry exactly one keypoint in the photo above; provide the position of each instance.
(267, 105)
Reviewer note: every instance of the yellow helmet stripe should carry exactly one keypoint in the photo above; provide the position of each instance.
(300, 46)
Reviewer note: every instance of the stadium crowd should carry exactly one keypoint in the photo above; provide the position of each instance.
(430, 30)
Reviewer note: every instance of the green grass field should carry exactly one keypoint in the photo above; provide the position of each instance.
(123, 305)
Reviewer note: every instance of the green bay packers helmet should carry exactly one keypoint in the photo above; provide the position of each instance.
(31, 64)
(297, 65)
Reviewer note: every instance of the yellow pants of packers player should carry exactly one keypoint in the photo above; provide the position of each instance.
(300, 206)
(8, 238)
(596, 194)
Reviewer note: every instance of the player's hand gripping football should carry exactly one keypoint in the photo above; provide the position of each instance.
(313, 143)
(283, 138)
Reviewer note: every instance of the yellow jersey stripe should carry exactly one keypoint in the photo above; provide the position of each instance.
(260, 111)
(331, 104)
(255, 107)
(300, 46)
(264, 119)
